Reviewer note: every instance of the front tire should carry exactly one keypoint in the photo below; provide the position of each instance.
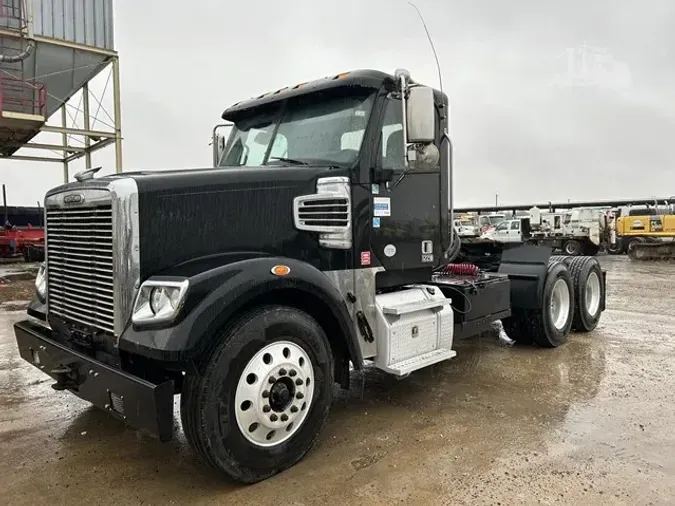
(263, 395)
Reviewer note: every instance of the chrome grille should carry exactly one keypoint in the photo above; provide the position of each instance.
(80, 265)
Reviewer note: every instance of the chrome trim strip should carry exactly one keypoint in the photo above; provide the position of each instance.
(360, 282)
(126, 258)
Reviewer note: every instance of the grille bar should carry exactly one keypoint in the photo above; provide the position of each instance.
(80, 286)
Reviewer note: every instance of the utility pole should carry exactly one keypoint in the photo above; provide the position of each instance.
(496, 199)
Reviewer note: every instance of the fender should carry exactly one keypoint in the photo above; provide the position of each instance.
(526, 267)
(217, 293)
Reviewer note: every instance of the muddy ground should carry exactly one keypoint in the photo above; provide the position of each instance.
(592, 422)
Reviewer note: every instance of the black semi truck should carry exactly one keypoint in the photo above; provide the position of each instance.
(321, 239)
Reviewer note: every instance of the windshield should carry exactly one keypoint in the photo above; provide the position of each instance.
(313, 129)
(495, 219)
(466, 223)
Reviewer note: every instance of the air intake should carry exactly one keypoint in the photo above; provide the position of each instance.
(327, 212)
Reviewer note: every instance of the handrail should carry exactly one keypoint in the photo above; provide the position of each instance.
(22, 96)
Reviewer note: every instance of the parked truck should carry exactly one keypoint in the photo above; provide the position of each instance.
(579, 231)
(320, 242)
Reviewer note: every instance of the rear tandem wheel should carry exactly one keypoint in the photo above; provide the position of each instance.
(588, 290)
(549, 325)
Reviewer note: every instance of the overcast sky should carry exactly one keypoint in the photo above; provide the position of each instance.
(528, 122)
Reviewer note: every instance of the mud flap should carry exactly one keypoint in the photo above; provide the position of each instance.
(526, 266)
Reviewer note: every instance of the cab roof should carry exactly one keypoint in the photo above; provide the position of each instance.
(373, 79)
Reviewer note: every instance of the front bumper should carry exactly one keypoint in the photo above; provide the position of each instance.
(139, 403)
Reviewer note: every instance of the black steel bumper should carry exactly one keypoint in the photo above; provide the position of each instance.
(138, 403)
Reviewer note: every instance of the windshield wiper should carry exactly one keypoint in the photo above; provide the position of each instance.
(293, 161)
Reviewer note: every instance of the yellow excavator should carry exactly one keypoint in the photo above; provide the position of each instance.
(648, 237)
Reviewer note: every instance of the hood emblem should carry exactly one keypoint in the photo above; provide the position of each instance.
(73, 198)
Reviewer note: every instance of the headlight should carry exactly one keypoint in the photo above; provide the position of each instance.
(41, 282)
(159, 301)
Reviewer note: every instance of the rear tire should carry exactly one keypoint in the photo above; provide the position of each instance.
(572, 247)
(588, 292)
(549, 325)
(234, 416)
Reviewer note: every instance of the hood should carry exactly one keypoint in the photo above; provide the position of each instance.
(192, 214)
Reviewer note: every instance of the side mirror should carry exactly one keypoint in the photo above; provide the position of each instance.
(420, 115)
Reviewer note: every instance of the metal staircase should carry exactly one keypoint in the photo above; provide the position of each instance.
(22, 100)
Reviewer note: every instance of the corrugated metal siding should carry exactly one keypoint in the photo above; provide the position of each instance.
(88, 22)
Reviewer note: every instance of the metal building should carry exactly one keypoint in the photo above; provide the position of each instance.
(49, 52)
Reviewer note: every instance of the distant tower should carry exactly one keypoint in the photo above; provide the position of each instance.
(49, 52)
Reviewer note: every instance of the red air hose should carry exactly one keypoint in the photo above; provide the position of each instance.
(464, 269)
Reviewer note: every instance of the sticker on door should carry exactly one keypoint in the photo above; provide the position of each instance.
(381, 206)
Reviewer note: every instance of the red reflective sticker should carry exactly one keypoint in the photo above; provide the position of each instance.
(365, 258)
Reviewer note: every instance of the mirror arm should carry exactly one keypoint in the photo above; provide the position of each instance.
(404, 111)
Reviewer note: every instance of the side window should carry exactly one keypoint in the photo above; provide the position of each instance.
(515, 225)
(504, 225)
(393, 151)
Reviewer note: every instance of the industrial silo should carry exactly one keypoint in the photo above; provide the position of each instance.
(49, 51)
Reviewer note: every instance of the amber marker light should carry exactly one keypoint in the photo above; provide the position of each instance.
(281, 270)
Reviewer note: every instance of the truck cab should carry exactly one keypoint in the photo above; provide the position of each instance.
(320, 240)
(507, 231)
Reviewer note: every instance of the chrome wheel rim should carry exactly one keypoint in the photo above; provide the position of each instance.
(274, 394)
(560, 304)
(593, 294)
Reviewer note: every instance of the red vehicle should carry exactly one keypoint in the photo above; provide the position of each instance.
(28, 241)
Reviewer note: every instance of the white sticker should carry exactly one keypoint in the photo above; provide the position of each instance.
(427, 258)
(390, 250)
(427, 247)
(381, 206)
(375, 189)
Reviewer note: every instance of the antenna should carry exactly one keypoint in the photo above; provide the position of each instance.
(431, 43)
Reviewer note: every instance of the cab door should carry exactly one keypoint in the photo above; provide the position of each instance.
(514, 233)
(405, 216)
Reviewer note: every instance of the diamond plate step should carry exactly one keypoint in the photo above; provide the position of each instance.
(413, 364)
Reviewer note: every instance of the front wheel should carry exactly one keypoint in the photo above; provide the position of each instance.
(263, 396)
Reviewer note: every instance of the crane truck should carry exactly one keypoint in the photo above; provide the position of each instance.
(320, 242)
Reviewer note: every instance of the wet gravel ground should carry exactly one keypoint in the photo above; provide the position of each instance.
(591, 422)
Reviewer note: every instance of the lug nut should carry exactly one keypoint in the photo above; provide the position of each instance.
(273, 380)
(292, 372)
(299, 395)
(298, 382)
(267, 409)
(282, 372)
(284, 418)
(294, 409)
(266, 394)
(273, 417)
